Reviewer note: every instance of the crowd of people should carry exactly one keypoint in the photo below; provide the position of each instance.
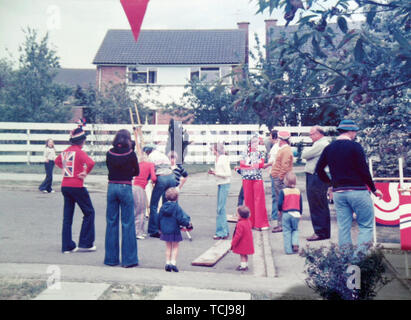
(338, 166)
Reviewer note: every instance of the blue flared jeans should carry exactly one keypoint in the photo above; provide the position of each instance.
(274, 201)
(162, 184)
(120, 203)
(222, 229)
(47, 183)
(359, 202)
(87, 233)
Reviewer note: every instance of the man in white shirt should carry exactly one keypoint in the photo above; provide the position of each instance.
(317, 189)
(165, 180)
(271, 160)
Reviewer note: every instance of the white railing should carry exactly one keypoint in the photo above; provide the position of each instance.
(25, 142)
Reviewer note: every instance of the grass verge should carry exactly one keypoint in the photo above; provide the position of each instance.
(20, 289)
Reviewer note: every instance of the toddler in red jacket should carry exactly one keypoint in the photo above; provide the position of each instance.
(242, 242)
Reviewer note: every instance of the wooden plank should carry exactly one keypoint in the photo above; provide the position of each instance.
(210, 257)
(232, 218)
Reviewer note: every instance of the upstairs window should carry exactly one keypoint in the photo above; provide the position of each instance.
(210, 74)
(142, 75)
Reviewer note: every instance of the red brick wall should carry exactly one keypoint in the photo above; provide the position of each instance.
(110, 74)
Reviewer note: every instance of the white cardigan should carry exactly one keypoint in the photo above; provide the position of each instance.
(222, 170)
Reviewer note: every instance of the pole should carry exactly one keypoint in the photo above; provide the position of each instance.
(374, 231)
(140, 132)
(401, 174)
(400, 168)
(138, 147)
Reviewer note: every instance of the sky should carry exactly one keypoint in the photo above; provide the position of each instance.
(76, 28)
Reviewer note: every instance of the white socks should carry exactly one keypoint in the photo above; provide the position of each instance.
(243, 264)
(172, 262)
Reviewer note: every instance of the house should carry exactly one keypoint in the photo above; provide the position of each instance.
(76, 77)
(166, 60)
(72, 78)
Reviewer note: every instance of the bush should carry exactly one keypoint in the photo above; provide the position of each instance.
(330, 271)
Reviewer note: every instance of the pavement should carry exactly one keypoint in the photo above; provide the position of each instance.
(30, 223)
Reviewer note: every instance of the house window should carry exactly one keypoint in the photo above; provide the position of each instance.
(142, 75)
(226, 75)
(210, 74)
(195, 74)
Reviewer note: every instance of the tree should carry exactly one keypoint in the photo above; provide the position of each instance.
(111, 105)
(29, 93)
(366, 74)
(209, 104)
(283, 74)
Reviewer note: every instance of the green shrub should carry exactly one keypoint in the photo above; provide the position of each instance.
(330, 271)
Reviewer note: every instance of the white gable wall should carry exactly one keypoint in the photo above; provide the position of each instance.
(173, 75)
(170, 84)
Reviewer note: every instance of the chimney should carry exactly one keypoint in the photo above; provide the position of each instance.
(270, 24)
(244, 26)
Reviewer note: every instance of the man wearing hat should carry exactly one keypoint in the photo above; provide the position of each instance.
(282, 165)
(350, 180)
(76, 165)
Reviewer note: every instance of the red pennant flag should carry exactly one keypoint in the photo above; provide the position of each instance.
(135, 11)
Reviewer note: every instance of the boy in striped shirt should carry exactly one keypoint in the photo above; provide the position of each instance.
(179, 172)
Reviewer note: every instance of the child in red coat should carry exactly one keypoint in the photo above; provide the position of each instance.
(242, 242)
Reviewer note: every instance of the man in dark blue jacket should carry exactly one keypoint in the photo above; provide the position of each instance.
(351, 181)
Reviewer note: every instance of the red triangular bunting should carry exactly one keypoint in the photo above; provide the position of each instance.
(135, 11)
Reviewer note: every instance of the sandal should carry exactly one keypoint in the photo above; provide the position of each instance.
(277, 229)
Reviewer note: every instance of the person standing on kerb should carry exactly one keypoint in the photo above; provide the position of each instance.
(271, 160)
(282, 165)
(350, 180)
(316, 188)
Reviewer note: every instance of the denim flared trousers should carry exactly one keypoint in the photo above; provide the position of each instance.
(222, 229)
(163, 183)
(120, 205)
(87, 233)
(358, 202)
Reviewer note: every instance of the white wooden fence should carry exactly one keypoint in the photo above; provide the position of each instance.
(22, 142)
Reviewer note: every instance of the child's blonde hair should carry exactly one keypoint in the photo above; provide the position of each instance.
(47, 143)
(290, 179)
(172, 194)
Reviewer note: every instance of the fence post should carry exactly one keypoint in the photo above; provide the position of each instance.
(401, 174)
(28, 146)
(92, 138)
(374, 231)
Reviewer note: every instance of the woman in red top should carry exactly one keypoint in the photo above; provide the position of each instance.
(242, 242)
(147, 172)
